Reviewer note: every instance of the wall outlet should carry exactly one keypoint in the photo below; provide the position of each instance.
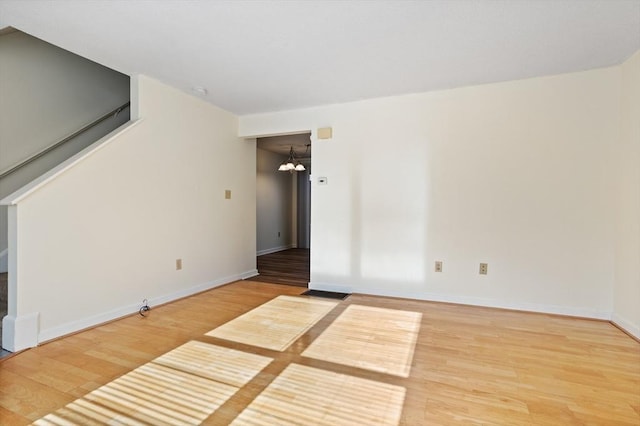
(227, 194)
(178, 264)
(438, 266)
(483, 268)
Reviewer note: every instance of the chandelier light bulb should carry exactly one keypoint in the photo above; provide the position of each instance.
(292, 164)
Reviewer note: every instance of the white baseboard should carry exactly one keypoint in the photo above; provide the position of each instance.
(275, 249)
(465, 300)
(249, 274)
(4, 260)
(20, 332)
(626, 325)
(92, 321)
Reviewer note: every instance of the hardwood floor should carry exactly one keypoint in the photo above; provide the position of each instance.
(276, 324)
(471, 365)
(369, 337)
(290, 267)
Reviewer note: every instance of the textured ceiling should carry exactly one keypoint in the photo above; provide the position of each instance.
(259, 56)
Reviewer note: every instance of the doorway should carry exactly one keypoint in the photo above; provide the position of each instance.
(283, 209)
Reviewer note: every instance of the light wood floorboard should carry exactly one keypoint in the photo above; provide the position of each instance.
(371, 338)
(304, 395)
(276, 324)
(181, 387)
(471, 365)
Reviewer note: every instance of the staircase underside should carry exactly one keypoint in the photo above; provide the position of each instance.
(3, 299)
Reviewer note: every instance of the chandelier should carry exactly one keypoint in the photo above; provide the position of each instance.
(291, 164)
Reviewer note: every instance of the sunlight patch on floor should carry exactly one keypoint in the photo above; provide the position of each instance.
(276, 324)
(303, 395)
(182, 387)
(371, 338)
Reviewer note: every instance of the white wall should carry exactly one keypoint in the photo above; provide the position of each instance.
(515, 174)
(626, 165)
(48, 93)
(105, 233)
(273, 204)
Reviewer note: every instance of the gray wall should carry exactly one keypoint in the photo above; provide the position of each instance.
(46, 94)
(274, 203)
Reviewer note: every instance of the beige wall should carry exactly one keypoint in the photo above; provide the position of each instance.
(105, 233)
(514, 174)
(626, 189)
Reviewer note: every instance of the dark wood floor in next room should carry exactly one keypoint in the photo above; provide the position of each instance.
(290, 267)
